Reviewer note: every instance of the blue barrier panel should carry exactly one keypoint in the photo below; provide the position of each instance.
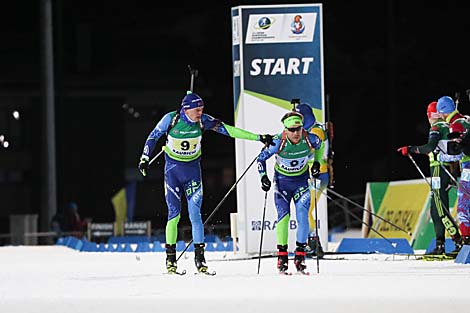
(464, 255)
(124, 247)
(101, 247)
(127, 247)
(449, 244)
(143, 247)
(89, 246)
(220, 246)
(67, 240)
(119, 248)
(158, 247)
(375, 245)
(130, 239)
(78, 245)
(180, 245)
(229, 246)
(210, 238)
(110, 247)
(60, 241)
(74, 243)
(210, 246)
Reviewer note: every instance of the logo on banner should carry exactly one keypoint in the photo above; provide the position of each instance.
(264, 23)
(270, 225)
(277, 28)
(297, 26)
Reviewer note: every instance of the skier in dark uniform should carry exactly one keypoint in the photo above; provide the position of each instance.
(436, 148)
(460, 125)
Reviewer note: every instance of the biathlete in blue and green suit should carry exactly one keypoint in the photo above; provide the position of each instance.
(184, 129)
(295, 150)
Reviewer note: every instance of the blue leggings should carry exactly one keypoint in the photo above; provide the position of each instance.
(295, 188)
(185, 177)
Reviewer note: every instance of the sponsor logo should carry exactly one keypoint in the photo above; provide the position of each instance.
(183, 152)
(280, 66)
(297, 26)
(270, 225)
(264, 23)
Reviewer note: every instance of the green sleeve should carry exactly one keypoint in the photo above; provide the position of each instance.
(239, 133)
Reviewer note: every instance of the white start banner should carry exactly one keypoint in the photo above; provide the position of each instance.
(277, 54)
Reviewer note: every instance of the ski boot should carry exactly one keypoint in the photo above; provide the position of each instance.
(199, 259)
(314, 247)
(299, 258)
(171, 258)
(439, 251)
(282, 259)
(466, 240)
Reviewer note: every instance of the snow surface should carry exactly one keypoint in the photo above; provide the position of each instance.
(54, 279)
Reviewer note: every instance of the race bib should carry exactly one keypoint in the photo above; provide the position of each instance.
(465, 176)
(184, 147)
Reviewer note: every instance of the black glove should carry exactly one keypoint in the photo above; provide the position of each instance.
(266, 139)
(315, 169)
(265, 183)
(144, 165)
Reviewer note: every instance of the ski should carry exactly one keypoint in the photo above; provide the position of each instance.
(440, 257)
(213, 273)
(176, 273)
(285, 273)
(303, 273)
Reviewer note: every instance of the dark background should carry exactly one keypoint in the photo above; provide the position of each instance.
(384, 61)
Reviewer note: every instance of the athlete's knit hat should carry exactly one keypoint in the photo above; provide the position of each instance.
(191, 101)
(306, 110)
(432, 110)
(445, 105)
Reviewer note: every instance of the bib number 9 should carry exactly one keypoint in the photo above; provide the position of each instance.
(185, 145)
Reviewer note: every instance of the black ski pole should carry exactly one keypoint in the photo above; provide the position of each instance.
(220, 203)
(193, 73)
(453, 179)
(373, 214)
(262, 229)
(360, 220)
(316, 222)
(447, 220)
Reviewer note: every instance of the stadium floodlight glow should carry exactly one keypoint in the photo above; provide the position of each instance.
(125, 106)
(16, 115)
(2, 138)
(6, 144)
(136, 114)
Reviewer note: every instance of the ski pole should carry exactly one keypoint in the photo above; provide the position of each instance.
(373, 214)
(449, 174)
(156, 157)
(453, 179)
(447, 220)
(220, 203)
(262, 229)
(394, 244)
(314, 180)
